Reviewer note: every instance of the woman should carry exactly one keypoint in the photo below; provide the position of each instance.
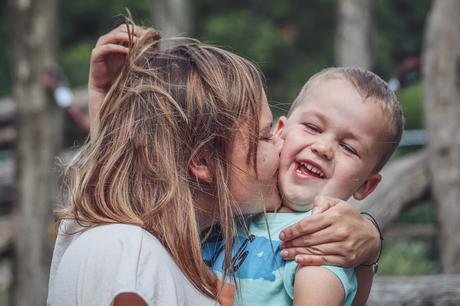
(183, 142)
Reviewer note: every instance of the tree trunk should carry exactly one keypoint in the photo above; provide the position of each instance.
(352, 42)
(432, 290)
(171, 18)
(38, 134)
(441, 69)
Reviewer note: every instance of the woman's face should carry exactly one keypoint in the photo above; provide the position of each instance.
(254, 194)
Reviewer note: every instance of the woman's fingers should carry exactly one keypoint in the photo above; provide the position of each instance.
(119, 34)
(102, 51)
(106, 61)
(327, 249)
(121, 29)
(315, 222)
(319, 255)
(325, 235)
(318, 260)
(304, 227)
(322, 203)
(115, 38)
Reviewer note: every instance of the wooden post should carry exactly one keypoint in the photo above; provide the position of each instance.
(34, 37)
(352, 42)
(441, 70)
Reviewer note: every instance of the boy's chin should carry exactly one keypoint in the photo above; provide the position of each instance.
(298, 204)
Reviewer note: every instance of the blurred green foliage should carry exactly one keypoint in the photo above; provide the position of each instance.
(4, 297)
(411, 99)
(397, 32)
(408, 258)
(403, 257)
(289, 40)
(76, 56)
(423, 213)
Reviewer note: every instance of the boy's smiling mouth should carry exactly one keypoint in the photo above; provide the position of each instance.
(310, 169)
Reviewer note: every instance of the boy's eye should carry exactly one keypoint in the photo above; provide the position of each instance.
(312, 128)
(349, 149)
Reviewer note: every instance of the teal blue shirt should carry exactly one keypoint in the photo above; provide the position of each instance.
(263, 277)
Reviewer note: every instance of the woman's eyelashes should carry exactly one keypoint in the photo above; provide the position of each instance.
(268, 137)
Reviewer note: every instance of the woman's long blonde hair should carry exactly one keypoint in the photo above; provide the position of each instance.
(166, 109)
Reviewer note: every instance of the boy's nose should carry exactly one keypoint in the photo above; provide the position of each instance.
(323, 149)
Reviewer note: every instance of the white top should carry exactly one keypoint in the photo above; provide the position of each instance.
(91, 267)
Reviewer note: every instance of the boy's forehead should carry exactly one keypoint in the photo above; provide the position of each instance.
(327, 91)
(327, 82)
(336, 100)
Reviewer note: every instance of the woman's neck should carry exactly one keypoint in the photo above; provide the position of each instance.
(206, 205)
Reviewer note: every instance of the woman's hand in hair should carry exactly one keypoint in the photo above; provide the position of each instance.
(107, 59)
(335, 234)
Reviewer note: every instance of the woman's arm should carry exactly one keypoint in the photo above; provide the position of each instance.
(338, 235)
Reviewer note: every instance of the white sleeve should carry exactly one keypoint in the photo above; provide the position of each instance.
(108, 260)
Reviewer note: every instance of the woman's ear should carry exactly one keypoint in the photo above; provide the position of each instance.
(367, 187)
(200, 169)
(279, 127)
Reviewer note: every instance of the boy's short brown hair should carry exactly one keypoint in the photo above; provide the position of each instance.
(369, 86)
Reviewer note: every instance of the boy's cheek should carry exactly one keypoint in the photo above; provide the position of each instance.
(283, 182)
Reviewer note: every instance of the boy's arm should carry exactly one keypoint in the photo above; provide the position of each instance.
(317, 286)
(365, 276)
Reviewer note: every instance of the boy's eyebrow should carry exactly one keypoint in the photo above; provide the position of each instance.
(347, 134)
(352, 136)
(316, 114)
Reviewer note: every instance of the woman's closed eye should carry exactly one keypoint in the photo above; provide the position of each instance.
(268, 137)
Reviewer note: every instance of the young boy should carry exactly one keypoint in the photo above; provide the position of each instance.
(340, 131)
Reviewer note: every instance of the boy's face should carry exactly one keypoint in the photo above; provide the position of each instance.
(331, 145)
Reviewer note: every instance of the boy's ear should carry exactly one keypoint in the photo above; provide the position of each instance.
(367, 187)
(200, 169)
(279, 127)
